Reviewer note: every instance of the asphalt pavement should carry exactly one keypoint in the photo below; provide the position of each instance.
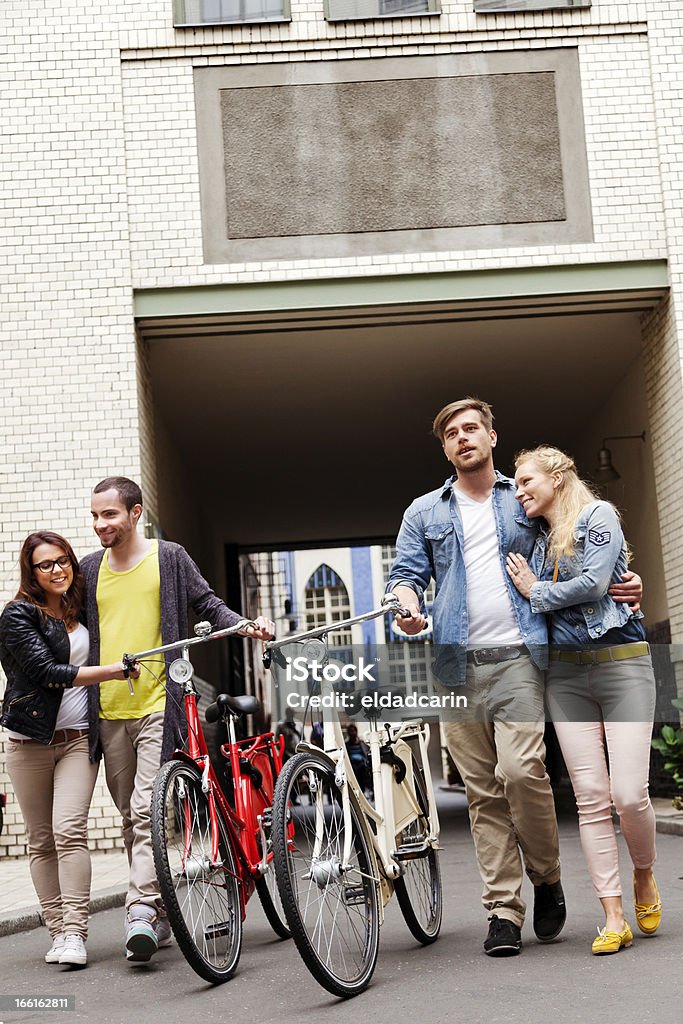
(451, 980)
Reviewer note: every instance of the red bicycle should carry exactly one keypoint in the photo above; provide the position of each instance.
(211, 856)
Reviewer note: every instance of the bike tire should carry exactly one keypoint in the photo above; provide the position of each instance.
(202, 899)
(419, 890)
(261, 804)
(269, 895)
(333, 915)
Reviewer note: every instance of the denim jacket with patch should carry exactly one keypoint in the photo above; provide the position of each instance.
(430, 545)
(599, 560)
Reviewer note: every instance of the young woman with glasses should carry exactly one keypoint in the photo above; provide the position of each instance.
(52, 744)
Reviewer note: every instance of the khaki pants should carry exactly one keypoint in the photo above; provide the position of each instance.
(54, 787)
(498, 749)
(132, 756)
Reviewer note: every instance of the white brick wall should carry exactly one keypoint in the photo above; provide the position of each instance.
(69, 410)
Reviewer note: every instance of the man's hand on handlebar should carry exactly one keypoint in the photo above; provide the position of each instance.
(259, 629)
(414, 622)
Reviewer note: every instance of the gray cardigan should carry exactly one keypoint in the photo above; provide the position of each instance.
(182, 587)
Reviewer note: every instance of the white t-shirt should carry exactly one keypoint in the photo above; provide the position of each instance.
(490, 614)
(73, 710)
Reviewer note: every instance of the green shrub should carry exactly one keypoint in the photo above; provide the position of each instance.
(669, 743)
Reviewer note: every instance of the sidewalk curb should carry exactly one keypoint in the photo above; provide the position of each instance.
(670, 826)
(30, 917)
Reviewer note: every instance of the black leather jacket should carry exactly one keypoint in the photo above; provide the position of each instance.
(34, 651)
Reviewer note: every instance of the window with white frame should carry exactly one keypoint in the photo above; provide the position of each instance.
(358, 10)
(500, 6)
(195, 13)
(326, 599)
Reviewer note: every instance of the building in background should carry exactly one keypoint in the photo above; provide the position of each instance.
(250, 247)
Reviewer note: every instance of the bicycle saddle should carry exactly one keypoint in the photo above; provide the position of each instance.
(244, 704)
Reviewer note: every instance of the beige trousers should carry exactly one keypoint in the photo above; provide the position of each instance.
(132, 756)
(498, 748)
(54, 787)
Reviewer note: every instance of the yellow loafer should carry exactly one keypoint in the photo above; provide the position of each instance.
(611, 942)
(648, 916)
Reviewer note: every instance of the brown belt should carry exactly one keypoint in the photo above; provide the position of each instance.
(59, 737)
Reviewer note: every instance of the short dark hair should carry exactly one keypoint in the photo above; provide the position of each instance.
(128, 491)
(453, 408)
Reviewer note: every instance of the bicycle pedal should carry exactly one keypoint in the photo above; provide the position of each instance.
(354, 895)
(218, 930)
(412, 851)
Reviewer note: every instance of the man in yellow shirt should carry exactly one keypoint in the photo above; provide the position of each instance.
(138, 594)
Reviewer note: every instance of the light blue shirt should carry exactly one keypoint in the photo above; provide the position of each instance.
(430, 545)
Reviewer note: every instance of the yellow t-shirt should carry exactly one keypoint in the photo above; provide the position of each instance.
(129, 608)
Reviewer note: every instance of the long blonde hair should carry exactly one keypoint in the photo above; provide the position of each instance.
(572, 495)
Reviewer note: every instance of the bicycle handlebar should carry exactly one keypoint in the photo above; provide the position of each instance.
(390, 606)
(203, 631)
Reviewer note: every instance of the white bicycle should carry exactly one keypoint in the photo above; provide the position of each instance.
(338, 858)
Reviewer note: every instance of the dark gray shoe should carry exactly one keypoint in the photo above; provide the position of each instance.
(141, 936)
(550, 912)
(504, 938)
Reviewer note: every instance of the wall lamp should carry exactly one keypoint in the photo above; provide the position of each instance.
(606, 473)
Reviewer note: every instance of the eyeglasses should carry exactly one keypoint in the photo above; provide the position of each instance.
(50, 564)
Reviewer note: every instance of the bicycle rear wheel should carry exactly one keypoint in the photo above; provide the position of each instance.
(332, 908)
(418, 890)
(202, 897)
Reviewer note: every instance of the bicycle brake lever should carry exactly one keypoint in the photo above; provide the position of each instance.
(128, 664)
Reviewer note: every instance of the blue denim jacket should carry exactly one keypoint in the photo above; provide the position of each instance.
(599, 560)
(430, 545)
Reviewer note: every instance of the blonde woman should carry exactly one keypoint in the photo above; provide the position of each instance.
(600, 686)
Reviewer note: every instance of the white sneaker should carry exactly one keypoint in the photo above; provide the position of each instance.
(56, 949)
(164, 933)
(74, 952)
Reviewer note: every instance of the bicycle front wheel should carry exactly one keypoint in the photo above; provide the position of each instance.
(262, 808)
(269, 895)
(332, 907)
(418, 890)
(201, 896)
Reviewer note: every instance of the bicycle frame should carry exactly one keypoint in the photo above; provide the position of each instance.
(243, 822)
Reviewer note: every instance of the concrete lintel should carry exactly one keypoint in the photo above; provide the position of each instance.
(399, 289)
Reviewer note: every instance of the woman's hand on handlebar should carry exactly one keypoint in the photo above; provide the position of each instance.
(121, 670)
(259, 629)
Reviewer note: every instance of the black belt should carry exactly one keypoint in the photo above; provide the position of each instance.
(492, 655)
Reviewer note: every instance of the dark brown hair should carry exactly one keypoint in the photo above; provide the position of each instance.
(29, 587)
(128, 491)
(463, 405)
